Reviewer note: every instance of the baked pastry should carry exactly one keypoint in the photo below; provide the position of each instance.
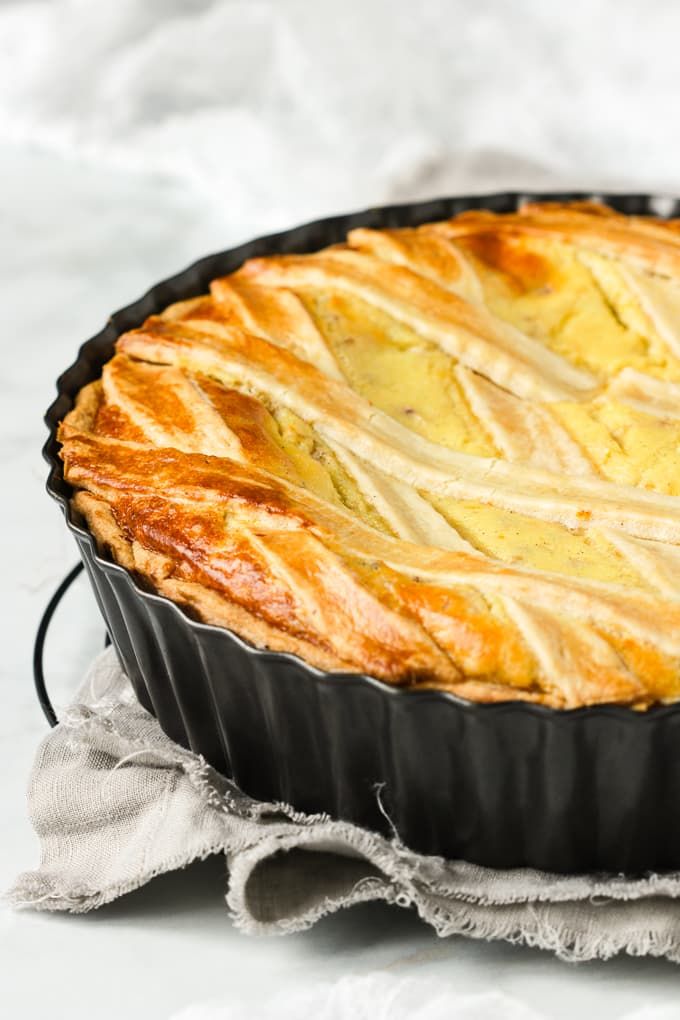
(446, 456)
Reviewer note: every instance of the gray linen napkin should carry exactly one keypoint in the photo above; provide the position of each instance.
(115, 802)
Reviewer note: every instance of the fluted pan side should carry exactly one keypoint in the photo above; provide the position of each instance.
(503, 786)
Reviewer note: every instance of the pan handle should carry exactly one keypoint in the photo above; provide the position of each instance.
(39, 645)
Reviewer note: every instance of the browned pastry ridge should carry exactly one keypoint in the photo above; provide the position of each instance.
(445, 456)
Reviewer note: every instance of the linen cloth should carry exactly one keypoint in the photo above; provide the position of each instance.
(115, 802)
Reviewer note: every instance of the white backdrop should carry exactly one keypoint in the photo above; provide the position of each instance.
(281, 110)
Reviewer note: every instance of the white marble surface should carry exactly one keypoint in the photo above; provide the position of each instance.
(81, 234)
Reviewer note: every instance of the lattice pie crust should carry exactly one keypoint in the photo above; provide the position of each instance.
(446, 456)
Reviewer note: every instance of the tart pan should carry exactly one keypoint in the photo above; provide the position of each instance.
(503, 785)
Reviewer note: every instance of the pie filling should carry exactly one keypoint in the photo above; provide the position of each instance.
(446, 456)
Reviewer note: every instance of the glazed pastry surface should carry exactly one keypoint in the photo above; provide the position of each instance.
(445, 456)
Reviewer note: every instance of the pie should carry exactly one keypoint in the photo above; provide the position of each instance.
(445, 456)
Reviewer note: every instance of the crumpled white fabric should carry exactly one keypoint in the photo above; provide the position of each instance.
(382, 996)
(115, 802)
(282, 110)
(377, 996)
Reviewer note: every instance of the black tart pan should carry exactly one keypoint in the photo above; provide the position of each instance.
(504, 785)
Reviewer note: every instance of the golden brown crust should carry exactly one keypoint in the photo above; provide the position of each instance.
(226, 459)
